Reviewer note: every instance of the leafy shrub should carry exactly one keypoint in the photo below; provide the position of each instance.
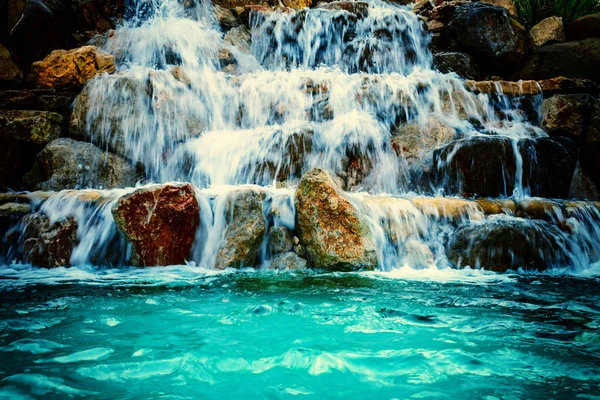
(530, 12)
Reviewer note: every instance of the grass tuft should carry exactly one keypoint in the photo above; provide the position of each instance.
(530, 12)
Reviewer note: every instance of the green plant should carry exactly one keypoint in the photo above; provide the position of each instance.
(530, 12)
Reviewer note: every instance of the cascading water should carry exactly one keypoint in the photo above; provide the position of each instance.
(315, 88)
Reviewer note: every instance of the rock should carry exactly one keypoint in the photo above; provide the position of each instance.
(496, 40)
(44, 99)
(508, 4)
(10, 215)
(358, 8)
(445, 208)
(481, 165)
(576, 116)
(505, 243)
(413, 142)
(585, 27)
(280, 240)
(47, 244)
(417, 255)
(548, 31)
(297, 4)
(461, 63)
(331, 230)
(69, 164)
(583, 187)
(562, 85)
(14, 10)
(491, 207)
(239, 37)
(225, 18)
(578, 59)
(44, 25)
(23, 134)
(486, 166)
(9, 70)
(568, 115)
(548, 166)
(246, 229)
(288, 261)
(506, 88)
(37, 127)
(71, 68)
(161, 223)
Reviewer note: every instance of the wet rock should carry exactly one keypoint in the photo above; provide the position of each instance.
(14, 10)
(488, 32)
(71, 68)
(331, 230)
(461, 63)
(585, 27)
(69, 164)
(486, 166)
(288, 262)
(10, 73)
(562, 85)
(225, 18)
(445, 208)
(161, 223)
(548, 31)
(503, 243)
(246, 229)
(506, 88)
(48, 244)
(358, 8)
(10, 215)
(281, 240)
(491, 207)
(481, 165)
(239, 37)
(23, 134)
(40, 99)
(579, 59)
(548, 166)
(414, 142)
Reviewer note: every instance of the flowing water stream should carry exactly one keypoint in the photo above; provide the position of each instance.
(312, 88)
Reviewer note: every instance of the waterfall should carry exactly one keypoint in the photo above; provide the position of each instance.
(314, 88)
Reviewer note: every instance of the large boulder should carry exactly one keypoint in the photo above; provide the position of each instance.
(548, 31)
(48, 244)
(579, 59)
(10, 73)
(71, 68)
(576, 116)
(488, 32)
(246, 229)
(69, 164)
(501, 243)
(23, 134)
(585, 27)
(160, 222)
(331, 230)
(482, 166)
(548, 166)
(488, 166)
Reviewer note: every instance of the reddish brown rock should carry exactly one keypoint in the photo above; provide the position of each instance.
(161, 223)
(71, 68)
